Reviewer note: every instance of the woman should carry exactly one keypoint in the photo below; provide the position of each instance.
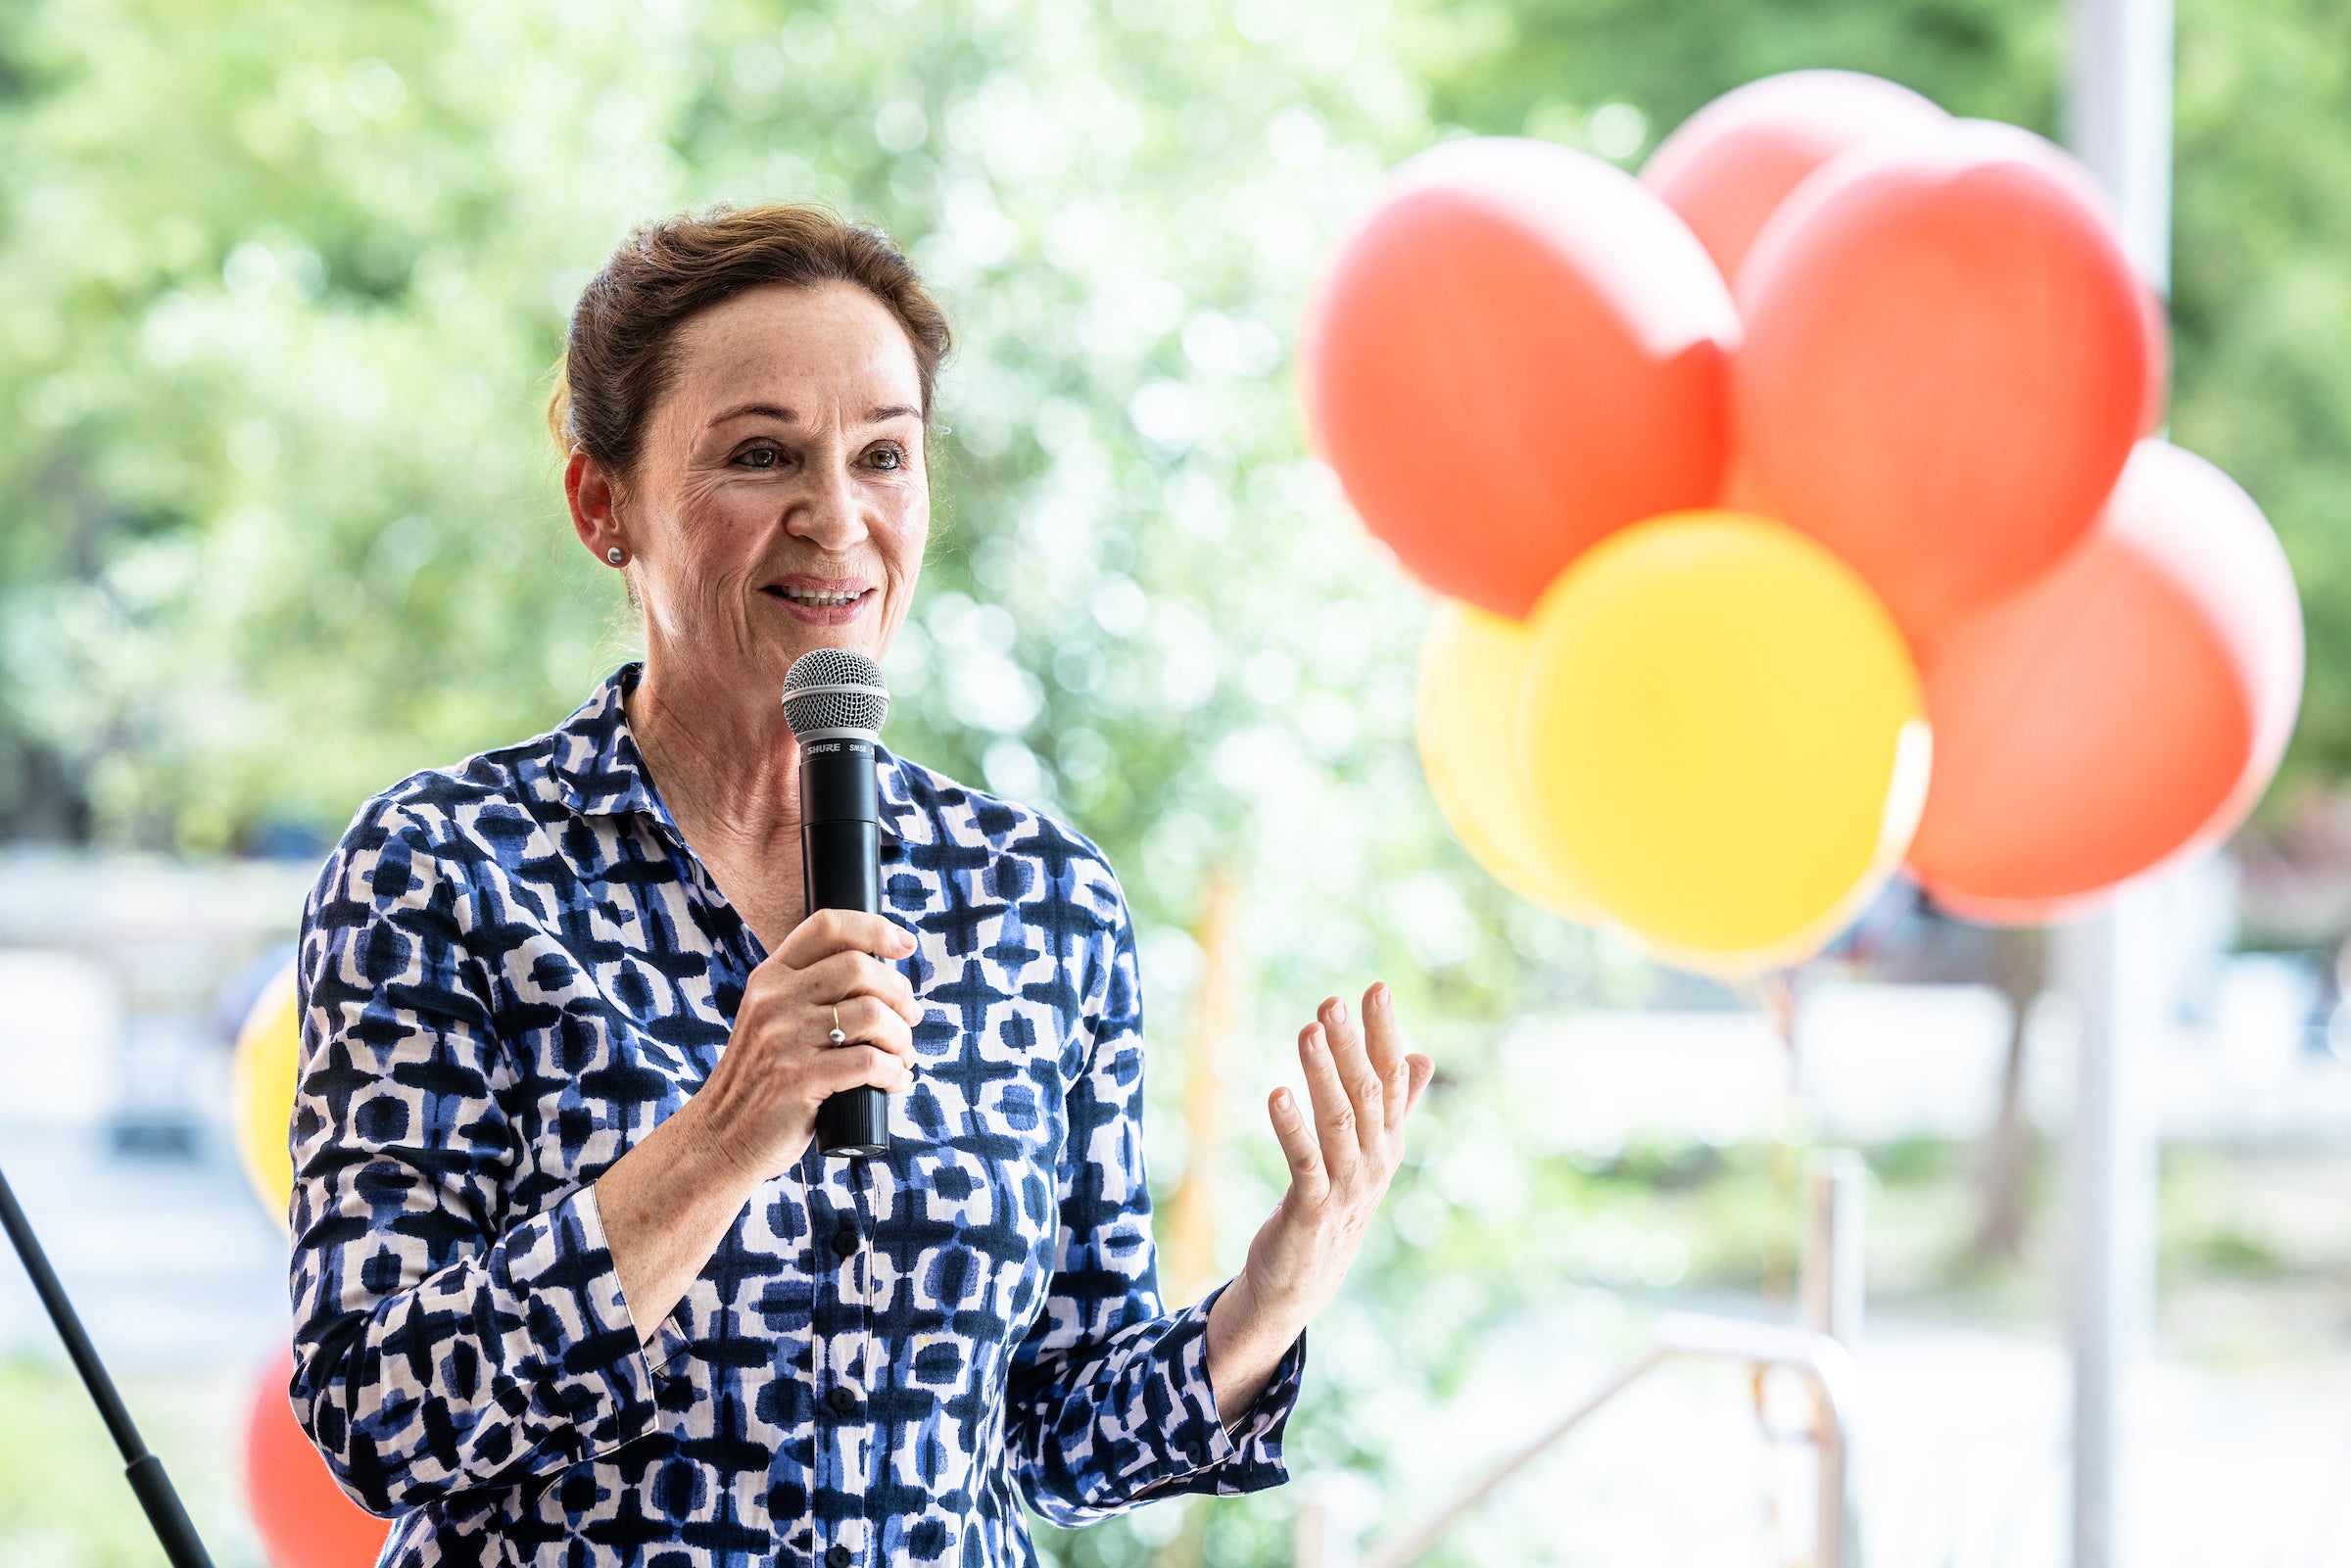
(571, 1285)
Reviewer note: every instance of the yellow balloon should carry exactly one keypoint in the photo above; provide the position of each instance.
(262, 1081)
(1466, 712)
(1724, 737)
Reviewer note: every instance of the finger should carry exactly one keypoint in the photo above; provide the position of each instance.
(1308, 1177)
(1423, 1070)
(1398, 1098)
(1383, 1039)
(842, 975)
(1365, 1092)
(1334, 1112)
(843, 930)
(858, 1066)
(867, 1021)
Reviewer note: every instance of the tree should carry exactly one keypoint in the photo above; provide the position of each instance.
(283, 523)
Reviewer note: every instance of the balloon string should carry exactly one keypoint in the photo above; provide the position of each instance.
(1775, 999)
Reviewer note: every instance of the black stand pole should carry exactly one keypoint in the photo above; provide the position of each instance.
(142, 1469)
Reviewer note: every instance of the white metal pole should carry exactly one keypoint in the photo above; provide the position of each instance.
(2112, 966)
(1834, 1283)
(2119, 120)
(1833, 1280)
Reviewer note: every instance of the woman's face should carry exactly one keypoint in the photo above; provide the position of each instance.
(780, 501)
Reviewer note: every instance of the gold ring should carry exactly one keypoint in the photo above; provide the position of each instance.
(838, 1038)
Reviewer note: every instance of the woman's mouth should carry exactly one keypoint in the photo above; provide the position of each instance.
(821, 601)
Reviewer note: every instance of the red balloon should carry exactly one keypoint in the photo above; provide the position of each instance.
(1517, 351)
(1945, 366)
(1742, 491)
(2126, 708)
(2154, 311)
(1733, 161)
(304, 1518)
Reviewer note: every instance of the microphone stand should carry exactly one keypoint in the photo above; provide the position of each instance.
(143, 1470)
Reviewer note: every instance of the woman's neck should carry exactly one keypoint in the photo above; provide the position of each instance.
(724, 761)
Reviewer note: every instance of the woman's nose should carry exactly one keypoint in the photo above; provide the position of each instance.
(828, 514)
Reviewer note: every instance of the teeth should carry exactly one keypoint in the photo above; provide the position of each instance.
(810, 596)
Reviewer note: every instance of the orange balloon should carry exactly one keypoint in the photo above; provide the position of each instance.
(2126, 707)
(2154, 311)
(1733, 161)
(1742, 491)
(1518, 352)
(1946, 364)
(303, 1516)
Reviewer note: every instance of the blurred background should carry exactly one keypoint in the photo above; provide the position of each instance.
(281, 288)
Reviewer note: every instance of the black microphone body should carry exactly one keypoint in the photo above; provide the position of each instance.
(836, 703)
(840, 856)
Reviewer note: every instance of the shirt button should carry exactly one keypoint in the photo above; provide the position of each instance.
(837, 1556)
(845, 1240)
(843, 1402)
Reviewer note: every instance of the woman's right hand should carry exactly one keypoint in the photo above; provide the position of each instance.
(759, 1106)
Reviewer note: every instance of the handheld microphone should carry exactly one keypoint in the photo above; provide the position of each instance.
(835, 702)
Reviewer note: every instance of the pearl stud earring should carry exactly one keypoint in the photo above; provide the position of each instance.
(616, 555)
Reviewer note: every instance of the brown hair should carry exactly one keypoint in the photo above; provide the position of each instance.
(616, 361)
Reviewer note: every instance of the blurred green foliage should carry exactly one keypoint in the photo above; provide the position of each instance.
(283, 283)
(62, 1500)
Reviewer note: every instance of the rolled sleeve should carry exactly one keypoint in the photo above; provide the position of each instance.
(439, 1345)
(582, 1339)
(1207, 1450)
(1110, 1402)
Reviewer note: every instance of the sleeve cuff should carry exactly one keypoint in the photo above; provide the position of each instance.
(1206, 1450)
(579, 1324)
(669, 1340)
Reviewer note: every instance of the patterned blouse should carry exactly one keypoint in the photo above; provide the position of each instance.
(510, 971)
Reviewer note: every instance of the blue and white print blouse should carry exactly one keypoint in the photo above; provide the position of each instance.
(510, 971)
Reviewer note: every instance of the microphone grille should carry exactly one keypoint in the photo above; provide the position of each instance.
(832, 692)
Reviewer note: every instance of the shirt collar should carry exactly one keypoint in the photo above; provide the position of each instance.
(600, 772)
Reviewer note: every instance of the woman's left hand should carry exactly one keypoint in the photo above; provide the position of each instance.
(1364, 1086)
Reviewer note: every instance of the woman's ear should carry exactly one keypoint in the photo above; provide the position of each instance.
(594, 501)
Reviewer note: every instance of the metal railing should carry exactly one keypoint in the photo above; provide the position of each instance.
(1831, 1296)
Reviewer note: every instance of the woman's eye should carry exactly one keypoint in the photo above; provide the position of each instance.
(889, 458)
(759, 458)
